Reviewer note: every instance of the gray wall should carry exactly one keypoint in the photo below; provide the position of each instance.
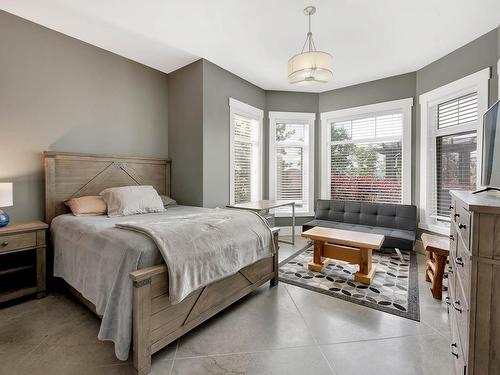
(382, 90)
(498, 46)
(58, 93)
(185, 141)
(474, 56)
(479, 54)
(218, 86)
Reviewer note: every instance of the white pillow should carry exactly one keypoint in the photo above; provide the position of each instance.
(132, 200)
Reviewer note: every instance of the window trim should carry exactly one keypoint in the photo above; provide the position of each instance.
(300, 117)
(476, 82)
(237, 107)
(403, 105)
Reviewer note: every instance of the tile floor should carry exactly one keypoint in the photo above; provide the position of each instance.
(282, 330)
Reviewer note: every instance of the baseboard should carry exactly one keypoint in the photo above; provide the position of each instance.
(419, 247)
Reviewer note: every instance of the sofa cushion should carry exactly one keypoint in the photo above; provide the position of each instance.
(397, 216)
(402, 239)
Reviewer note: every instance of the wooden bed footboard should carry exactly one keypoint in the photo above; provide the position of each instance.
(157, 323)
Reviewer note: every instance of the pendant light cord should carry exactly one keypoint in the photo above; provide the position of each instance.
(309, 39)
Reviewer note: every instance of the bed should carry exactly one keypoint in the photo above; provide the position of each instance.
(155, 321)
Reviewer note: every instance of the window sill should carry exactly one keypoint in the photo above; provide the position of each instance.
(434, 228)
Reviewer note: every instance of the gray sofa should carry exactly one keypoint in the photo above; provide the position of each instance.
(397, 222)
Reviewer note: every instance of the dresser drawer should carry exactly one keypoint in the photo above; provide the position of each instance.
(451, 269)
(17, 241)
(453, 240)
(462, 222)
(459, 361)
(453, 208)
(460, 307)
(463, 264)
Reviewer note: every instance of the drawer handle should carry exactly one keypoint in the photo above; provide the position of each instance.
(450, 269)
(454, 345)
(455, 304)
(451, 207)
(462, 226)
(459, 261)
(5, 243)
(447, 301)
(456, 215)
(452, 237)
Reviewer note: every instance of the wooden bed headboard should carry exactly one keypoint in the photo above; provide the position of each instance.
(69, 175)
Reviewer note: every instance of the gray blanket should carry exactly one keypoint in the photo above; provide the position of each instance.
(202, 248)
(96, 258)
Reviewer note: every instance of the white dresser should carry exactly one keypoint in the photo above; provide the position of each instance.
(474, 283)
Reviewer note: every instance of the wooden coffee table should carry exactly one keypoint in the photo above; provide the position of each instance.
(349, 246)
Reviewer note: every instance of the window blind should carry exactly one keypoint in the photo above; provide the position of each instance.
(458, 111)
(290, 154)
(366, 159)
(291, 161)
(290, 174)
(456, 165)
(243, 156)
(455, 160)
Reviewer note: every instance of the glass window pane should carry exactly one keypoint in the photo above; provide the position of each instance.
(456, 166)
(368, 172)
(290, 132)
(290, 173)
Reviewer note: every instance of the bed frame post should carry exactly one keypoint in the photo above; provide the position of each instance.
(274, 280)
(141, 326)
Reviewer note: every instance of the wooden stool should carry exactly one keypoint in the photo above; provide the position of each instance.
(436, 256)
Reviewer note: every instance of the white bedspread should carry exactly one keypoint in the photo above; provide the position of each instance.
(205, 247)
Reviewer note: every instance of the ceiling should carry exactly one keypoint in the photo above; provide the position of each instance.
(369, 39)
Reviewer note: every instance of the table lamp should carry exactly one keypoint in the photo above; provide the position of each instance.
(5, 201)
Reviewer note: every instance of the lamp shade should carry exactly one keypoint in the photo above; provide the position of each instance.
(313, 66)
(6, 194)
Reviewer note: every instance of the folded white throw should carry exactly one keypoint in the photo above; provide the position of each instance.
(202, 248)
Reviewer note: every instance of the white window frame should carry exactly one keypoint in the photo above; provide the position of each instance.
(402, 105)
(297, 118)
(476, 82)
(237, 107)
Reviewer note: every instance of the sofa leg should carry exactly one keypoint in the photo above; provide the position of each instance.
(400, 255)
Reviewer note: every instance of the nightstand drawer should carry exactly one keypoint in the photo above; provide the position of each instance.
(17, 241)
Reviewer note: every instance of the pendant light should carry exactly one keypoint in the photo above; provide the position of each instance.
(310, 65)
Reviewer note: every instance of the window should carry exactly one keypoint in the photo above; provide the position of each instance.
(450, 129)
(291, 161)
(366, 153)
(245, 152)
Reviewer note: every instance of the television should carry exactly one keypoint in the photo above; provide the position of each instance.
(490, 165)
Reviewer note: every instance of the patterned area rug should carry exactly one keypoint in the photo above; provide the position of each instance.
(394, 288)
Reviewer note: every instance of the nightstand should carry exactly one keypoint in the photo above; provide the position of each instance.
(22, 260)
